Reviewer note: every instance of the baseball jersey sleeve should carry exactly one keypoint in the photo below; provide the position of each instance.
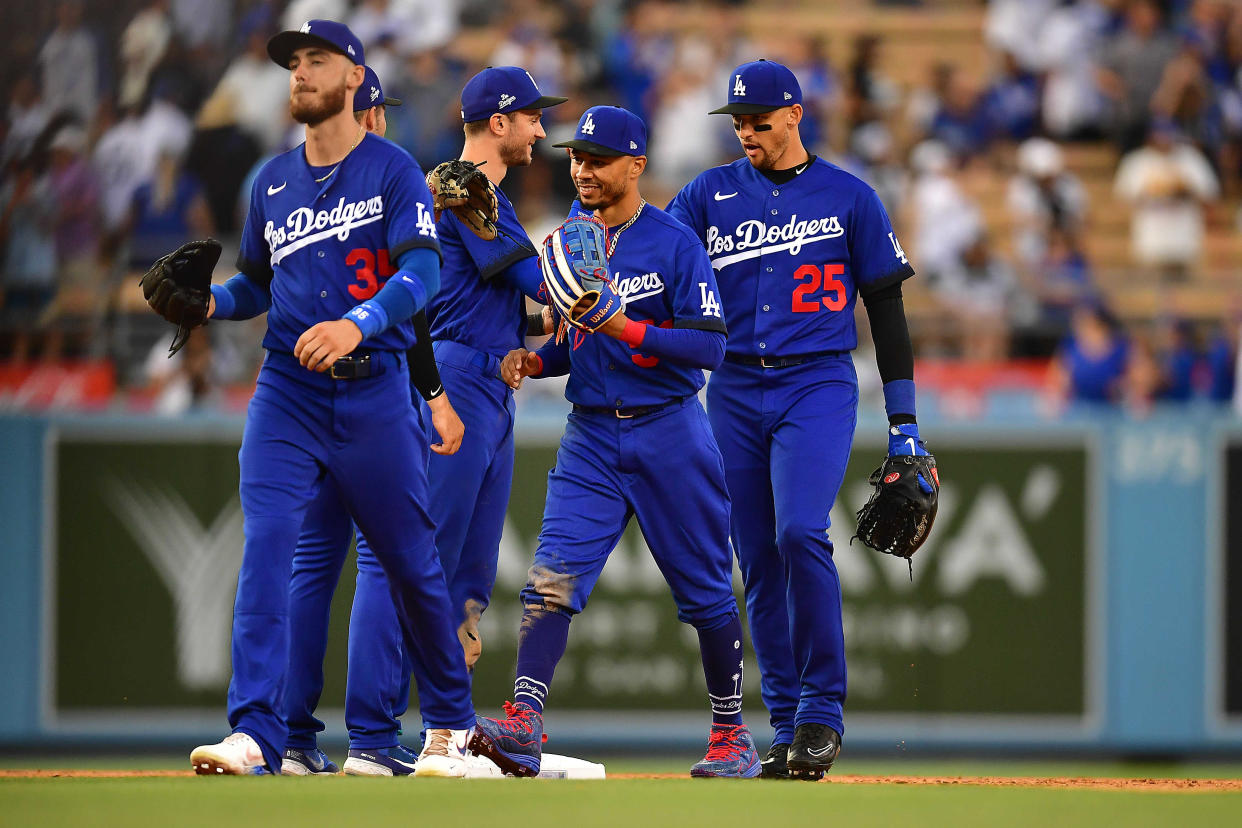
(409, 220)
(695, 295)
(876, 256)
(255, 257)
(685, 208)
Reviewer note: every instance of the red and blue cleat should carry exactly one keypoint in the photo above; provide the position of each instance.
(730, 753)
(514, 743)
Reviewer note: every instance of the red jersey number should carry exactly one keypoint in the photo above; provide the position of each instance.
(642, 360)
(834, 298)
(370, 280)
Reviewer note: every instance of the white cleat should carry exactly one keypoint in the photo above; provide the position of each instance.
(444, 754)
(237, 755)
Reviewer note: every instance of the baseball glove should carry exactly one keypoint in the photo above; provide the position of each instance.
(462, 187)
(575, 272)
(178, 287)
(898, 516)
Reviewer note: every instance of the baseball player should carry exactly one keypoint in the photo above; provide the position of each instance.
(378, 686)
(332, 401)
(795, 240)
(637, 444)
(476, 319)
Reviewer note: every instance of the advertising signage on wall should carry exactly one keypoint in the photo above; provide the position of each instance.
(994, 619)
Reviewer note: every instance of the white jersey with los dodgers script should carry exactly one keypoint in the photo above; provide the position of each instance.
(790, 258)
(325, 245)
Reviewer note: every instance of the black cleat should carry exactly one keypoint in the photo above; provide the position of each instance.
(773, 764)
(815, 747)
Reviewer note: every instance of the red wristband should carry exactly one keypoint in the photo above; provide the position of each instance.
(633, 332)
(539, 360)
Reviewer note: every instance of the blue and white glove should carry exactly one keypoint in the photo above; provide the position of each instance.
(904, 440)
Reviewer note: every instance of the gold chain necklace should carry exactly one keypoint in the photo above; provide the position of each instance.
(616, 234)
(361, 132)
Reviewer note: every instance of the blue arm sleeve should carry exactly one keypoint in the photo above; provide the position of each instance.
(695, 347)
(405, 293)
(525, 275)
(240, 298)
(555, 357)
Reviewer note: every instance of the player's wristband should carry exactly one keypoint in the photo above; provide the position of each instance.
(370, 318)
(899, 398)
(633, 332)
(534, 324)
(539, 370)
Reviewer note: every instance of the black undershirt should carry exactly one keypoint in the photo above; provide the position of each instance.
(885, 311)
(785, 176)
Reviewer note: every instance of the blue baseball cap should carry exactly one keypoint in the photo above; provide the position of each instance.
(371, 93)
(502, 89)
(760, 86)
(609, 131)
(327, 34)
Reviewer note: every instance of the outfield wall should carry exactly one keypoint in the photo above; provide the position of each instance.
(1078, 591)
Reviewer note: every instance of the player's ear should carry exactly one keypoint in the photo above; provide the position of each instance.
(498, 124)
(355, 77)
(795, 115)
(638, 165)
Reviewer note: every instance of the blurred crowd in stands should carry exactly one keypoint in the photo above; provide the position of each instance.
(1010, 163)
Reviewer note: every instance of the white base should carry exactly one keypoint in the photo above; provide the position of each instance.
(551, 766)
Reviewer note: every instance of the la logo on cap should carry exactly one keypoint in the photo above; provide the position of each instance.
(506, 99)
(739, 88)
(588, 126)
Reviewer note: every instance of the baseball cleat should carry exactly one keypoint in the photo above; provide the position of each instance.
(237, 755)
(312, 762)
(444, 753)
(774, 764)
(730, 753)
(393, 761)
(815, 747)
(514, 743)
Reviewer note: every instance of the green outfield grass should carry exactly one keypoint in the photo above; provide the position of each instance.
(643, 803)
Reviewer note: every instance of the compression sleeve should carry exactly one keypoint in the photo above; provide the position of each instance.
(408, 290)
(893, 353)
(240, 298)
(695, 347)
(424, 373)
(524, 274)
(554, 358)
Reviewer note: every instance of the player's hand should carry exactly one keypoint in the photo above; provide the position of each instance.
(549, 320)
(325, 343)
(519, 364)
(447, 424)
(614, 326)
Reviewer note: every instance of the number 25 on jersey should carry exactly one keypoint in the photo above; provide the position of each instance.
(818, 288)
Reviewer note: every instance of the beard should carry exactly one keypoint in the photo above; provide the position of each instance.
(604, 197)
(515, 154)
(322, 106)
(770, 157)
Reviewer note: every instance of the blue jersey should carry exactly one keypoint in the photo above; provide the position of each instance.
(661, 273)
(323, 247)
(791, 257)
(480, 302)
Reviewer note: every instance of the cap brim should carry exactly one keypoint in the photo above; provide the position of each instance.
(391, 102)
(591, 147)
(545, 102)
(282, 46)
(746, 109)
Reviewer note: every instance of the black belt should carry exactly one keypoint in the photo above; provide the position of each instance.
(355, 367)
(779, 362)
(627, 413)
